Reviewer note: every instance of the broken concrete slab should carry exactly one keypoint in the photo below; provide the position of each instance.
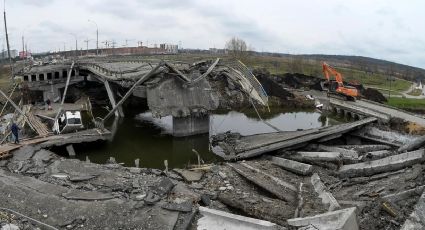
(255, 145)
(275, 186)
(386, 137)
(416, 220)
(293, 166)
(346, 154)
(365, 148)
(80, 178)
(164, 187)
(317, 156)
(213, 219)
(344, 219)
(43, 155)
(376, 154)
(405, 194)
(181, 192)
(36, 171)
(87, 195)
(185, 220)
(24, 153)
(70, 150)
(189, 176)
(391, 163)
(327, 197)
(151, 198)
(185, 206)
(412, 144)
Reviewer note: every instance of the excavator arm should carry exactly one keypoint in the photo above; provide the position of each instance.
(350, 93)
(328, 70)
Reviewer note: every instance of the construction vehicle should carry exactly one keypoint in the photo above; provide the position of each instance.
(336, 88)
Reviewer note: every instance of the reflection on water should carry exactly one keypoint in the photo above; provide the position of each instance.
(149, 139)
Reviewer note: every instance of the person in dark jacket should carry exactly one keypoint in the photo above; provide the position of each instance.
(15, 131)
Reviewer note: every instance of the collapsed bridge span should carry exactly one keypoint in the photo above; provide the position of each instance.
(185, 91)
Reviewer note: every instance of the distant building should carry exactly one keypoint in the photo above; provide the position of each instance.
(24, 54)
(4, 54)
(218, 51)
(169, 48)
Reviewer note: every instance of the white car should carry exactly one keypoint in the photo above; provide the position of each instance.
(68, 121)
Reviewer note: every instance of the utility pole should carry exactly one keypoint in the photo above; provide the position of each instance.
(113, 47)
(97, 37)
(87, 44)
(76, 45)
(23, 47)
(7, 42)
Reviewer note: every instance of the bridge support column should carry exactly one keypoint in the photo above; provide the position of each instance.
(51, 94)
(191, 125)
(119, 111)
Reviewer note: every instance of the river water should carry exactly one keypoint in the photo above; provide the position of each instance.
(149, 139)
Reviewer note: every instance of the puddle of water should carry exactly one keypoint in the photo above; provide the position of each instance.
(150, 139)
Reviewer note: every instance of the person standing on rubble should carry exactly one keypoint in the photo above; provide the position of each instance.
(48, 103)
(15, 132)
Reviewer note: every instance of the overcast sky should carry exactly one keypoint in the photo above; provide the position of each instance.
(385, 29)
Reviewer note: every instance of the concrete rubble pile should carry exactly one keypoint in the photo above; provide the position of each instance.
(324, 183)
(359, 174)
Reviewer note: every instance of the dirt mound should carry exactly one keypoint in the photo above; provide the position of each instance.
(374, 95)
(298, 80)
(272, 87)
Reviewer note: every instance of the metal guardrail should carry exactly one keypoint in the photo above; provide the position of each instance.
(239, 66)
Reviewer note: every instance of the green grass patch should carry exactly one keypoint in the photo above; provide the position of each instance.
(406, 103)
(281, 65)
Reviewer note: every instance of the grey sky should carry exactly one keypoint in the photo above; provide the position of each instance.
(386, 29)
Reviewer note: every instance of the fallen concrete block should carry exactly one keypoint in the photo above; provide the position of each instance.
(405, 194)
(182, 207)
(164, 187)
(43, 155)
(346, 154)
(365, 148)
(327, 197)
(80, 178)
(270, 183)
(412, 145)
(344, 219)
(218, 220)
(318, 156)
(391, 163)
(189, 176)
(257, 206)
(87, 195)
(376, 154)
(293, 166)
(416, 220)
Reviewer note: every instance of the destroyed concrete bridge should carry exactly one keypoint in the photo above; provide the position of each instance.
(174, 88)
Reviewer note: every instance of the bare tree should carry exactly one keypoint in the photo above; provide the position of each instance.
(297, 64)
(237, 48)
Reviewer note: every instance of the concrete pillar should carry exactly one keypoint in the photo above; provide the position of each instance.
(51, 94)
(119, 111)
(191, 125)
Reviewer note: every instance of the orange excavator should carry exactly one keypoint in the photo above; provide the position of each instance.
(337, 87)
